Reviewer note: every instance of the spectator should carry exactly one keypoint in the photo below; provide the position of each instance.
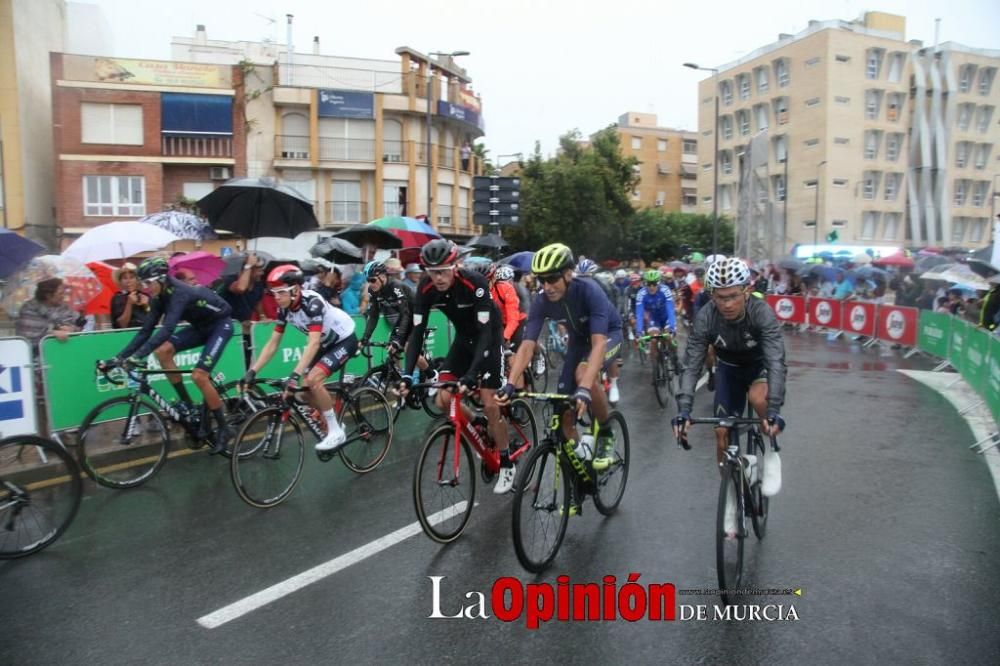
(466, 155)
(991, 308)
(350, 298)
(130, 306)
(244, 293)
(394, 268)
(329, 284)
(47, 313)
(943, 305)
(843, 289)
(413, 275)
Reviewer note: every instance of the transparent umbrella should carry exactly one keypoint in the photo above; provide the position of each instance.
(20, 288)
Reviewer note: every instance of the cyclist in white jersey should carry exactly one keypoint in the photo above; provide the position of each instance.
(331, 343)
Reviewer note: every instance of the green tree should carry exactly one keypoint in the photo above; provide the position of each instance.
(655, 234)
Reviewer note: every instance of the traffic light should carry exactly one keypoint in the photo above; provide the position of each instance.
(496, 200)
(832, 236)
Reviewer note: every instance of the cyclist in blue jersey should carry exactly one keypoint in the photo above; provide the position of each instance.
(211, 326)
(595, 338)
(654, 311)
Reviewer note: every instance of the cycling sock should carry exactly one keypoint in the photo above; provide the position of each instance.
(332, 424)
(182, 392)
(220, 417)
(505, 458)
(614, 381)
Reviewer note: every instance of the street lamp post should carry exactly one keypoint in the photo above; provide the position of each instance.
(430, 78)
(715, 157)
(816, 208)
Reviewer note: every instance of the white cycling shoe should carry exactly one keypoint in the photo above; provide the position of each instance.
(332, 441)
(771, 483)
(505, 480)
(613, 394)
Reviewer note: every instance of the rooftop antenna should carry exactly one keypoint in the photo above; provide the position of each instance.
(273, 25)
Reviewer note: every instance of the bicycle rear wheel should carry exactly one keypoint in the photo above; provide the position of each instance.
(660, 379)
(444, 484)
(40, 491)
(729, 551)
(123, 442)
(610, 483)
(542, 505)
(521, 424)
(367, 419)
(267, 458)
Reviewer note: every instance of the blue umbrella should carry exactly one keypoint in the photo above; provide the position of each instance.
(16, 251)
(867, 272)
(519, 261)
(822, 272)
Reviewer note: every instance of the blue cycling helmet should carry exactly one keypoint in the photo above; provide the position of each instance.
(374, 269)
(586, 267)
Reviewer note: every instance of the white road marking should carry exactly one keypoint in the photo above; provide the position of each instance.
(961, 395)
(319, 572)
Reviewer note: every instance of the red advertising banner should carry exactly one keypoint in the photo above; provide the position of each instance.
(898, 325)
(824, 312)
(788, 309)
(859, 318)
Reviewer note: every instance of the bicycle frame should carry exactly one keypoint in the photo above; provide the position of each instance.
(562, 403)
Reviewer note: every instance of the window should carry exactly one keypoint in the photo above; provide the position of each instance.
(892, 181)
(873, 63)
(958, 226)
(727, 127)
(842, 58)
(872, 140)
(780, 149)
(873, 102)
(707, 166)
(965, 115)
(840, 182)
(809, 224)
(810, 184)
(841, 140)
(813, 101)
(781, 72)
(346, 203)
(983, 155)
(394, 194)
(894, 107)
(294, 136)
(726, 162)
(812, 62)
(891, 226)
(661, 145)
(109, 196)
(779, 187)
(893, 141)
(726, 92)
(725, 197)
(351, 139)
(840, 224)
(689, 198)
(978, 227)
(707, 201)
(444, 212)
(869, 225)
(960, 192)
(743, 118)
(781, 110)
(811, 143)
(870, 184)
(636, 143)
(983, 119)
(302, 180)
(843, 101)
(392, 141)
(986, 80)
(896, 67)
(690, 146)
(760, 111)
(119, 124)
(965, 74)
(962, 154)
(196, 191)
(743, 80)
(761, 75)
(979, 193)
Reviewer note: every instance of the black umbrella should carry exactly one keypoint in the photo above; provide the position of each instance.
(982, 267)
(983, 253)
(790, 264)
(369, 234)
(924, 264)
(235, 262)
(254, 207)
(488, 242)
(337, 250)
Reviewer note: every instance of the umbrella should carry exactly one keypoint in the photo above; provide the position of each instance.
(367, 234)
(101, 303)
(83, 285)
(254, 207)
(962, 274)
(235, 262)
(488, 242)
(900, 260)
(16, 251)
(117, 240)
(337, 250)
(868, 272)
(790, 264)
(982, 267)
(182, 225)
(993, 279)
(411, 231)
(696, 257)
(861, 259)
(206, 266)
(929, 261)
(519, 261)
(477, 260)
(828, 273)
(678, 264)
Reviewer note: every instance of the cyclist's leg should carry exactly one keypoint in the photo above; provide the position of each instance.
(654, 344)
(165, 355)
(457, 361)
(731, 384)
(328, 361)
(215, 343)
(601, 407)
(576, 354)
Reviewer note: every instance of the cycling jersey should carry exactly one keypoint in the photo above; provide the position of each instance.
(633, 297)
(467, 304)
(312, 313)
(178, 301)
(659, 307)
(505, 297)
(753, 340)
(395, 301)
(700, 301)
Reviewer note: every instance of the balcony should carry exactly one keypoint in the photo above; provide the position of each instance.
(346, 212)
(346, 150)
(446, 156)
(395, 151)
(193, 145)
(291, 147)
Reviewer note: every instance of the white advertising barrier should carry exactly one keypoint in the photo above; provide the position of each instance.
(17, 388)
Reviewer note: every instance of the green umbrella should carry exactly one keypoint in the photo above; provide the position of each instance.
(696, 257)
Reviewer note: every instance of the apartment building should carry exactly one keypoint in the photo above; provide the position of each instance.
(133, 137)
(668, 162)
(849, 118)
(352, 134)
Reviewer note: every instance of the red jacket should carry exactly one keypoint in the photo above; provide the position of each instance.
(505, 297)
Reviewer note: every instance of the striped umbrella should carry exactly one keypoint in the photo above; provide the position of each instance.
(411, 231)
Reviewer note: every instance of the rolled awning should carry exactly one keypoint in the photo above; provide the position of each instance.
(196, 114)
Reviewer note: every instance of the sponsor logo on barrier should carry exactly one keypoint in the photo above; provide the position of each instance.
(824, 313)
(895, 325)
(858, 317)
(784, 308)
(935, 333)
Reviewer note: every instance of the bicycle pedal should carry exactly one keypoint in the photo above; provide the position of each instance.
(324, 456)
(574, 510)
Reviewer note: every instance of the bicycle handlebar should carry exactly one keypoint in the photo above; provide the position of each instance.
(723, 422)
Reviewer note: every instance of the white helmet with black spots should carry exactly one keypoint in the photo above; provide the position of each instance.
(730, 272)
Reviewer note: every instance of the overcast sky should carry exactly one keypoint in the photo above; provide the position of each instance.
(543, 67)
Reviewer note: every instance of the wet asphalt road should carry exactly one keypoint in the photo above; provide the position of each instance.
(886, 521)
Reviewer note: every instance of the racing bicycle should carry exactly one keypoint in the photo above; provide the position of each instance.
(666, 370)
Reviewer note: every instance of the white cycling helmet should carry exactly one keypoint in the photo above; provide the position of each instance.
(712, 258)
(621, 274)
(731, 272)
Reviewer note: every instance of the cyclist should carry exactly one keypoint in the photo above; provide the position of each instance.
(503, 294)
(390, 297)
(633, 293)
(464, 297)
(654, 311)
(701, 299)
(588, 269)
(751, 360)
(211, 326)
(595, 338)
(331, 342)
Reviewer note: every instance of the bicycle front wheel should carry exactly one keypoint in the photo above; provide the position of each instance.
(543, 502)
(40, 491)
(124, 442)
(368, 421)
(444, 484)
(540, 369)
(730, 534)
(610, 484)
(760, 503)
(267, 458)
(660, 379)
(521, 425)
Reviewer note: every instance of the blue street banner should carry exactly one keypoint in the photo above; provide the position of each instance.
(346, 104)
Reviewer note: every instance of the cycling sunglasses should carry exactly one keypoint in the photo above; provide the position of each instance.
(551, 278)
(372, 280)
(281, 290)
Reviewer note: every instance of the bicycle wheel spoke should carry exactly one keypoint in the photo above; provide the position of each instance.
(267, 458)
(368, 422)
(543, 503)
(444, 485)
(123, 442)
(610, 486)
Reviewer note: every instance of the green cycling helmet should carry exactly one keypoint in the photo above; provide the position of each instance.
(154, 268)
(552, 259)
(652, 276)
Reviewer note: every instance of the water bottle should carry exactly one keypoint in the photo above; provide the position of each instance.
(751, 467)
(585, 447)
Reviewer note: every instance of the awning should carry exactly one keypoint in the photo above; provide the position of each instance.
(689, 169)
(663, 168)
(196, 114)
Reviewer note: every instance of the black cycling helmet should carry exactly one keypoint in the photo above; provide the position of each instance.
(154, 268)
(438, 252)
(484, 268)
